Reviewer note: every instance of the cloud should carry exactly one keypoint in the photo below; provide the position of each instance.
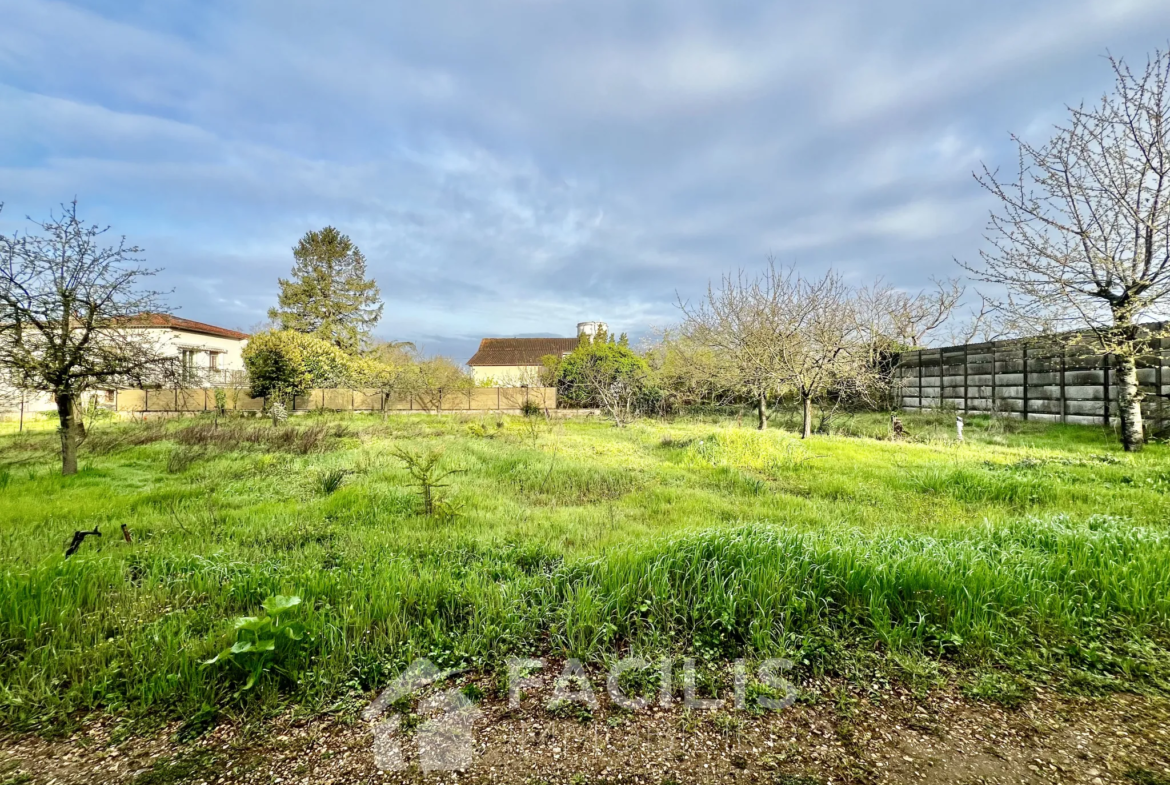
(515, 166)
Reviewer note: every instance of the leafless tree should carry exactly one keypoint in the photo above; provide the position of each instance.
(1081, 239)
(67, 311)
(780, 332)
(825, 341)
(908, 318)
(741, 320)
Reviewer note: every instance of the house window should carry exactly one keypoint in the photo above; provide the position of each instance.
(187, 357)
(213, 361)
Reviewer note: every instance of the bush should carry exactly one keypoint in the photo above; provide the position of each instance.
(602, 373)
(283, 363)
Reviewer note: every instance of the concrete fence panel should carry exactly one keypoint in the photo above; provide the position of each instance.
(367, 401)
(456, 401)
(485, 398)
(130, 401)
(1031, 379)
(194, 400)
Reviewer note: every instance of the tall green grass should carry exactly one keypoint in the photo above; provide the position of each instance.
(1044, 550)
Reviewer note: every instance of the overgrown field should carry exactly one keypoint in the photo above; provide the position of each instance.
(1028, 553)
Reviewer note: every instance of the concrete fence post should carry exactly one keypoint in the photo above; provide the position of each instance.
(1105, 363)
(1024, 356)
(1063, 395)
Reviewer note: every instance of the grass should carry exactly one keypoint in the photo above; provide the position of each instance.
(1029, 552)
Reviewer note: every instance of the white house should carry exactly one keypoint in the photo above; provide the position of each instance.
(209, 356)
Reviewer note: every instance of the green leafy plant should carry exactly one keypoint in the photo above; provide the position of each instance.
(531, 408)
(263, 642)
(284, 364)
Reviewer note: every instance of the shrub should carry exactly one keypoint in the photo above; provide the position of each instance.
(283, 363)
(183, 458)
(598, 367)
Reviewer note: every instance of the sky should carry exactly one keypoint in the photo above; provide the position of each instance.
(513, 167)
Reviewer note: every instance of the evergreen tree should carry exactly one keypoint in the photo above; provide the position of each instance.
(329, 295)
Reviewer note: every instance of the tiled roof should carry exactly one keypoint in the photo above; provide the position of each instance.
(185, 325)
(520, 351)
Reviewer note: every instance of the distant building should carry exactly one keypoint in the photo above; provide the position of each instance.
(208, 356)
(517, 362)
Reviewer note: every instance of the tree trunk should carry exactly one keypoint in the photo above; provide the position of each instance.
(1129, 399)
(806, 403)
(762, 411)
(67, 414)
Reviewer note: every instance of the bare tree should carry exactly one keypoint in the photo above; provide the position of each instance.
(614, 389)
(824, 341)
(910, 318)
(742, 322)
(67, 317)
(779, 332)
(1081, 239)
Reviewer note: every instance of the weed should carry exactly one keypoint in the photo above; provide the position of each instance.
(182, 768)
(728, 725)
(1142, 776)
(181, 459)
(198, 723)
(14, 775)
(263, 643)
(331, 480)
(795, 779)
(1001, 688)
(569, 710)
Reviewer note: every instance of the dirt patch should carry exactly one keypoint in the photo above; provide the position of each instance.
(893, 737)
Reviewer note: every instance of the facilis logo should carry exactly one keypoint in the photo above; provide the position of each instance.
(445, 741)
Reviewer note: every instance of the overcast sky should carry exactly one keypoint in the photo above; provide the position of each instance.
(512, 167)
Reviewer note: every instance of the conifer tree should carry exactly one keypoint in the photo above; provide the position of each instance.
(328, 294)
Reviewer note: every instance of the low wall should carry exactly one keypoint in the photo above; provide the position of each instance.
(482, 399)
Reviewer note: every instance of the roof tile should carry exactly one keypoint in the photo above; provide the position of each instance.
(520, 351)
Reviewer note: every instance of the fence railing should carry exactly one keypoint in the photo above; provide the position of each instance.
(193, 400)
